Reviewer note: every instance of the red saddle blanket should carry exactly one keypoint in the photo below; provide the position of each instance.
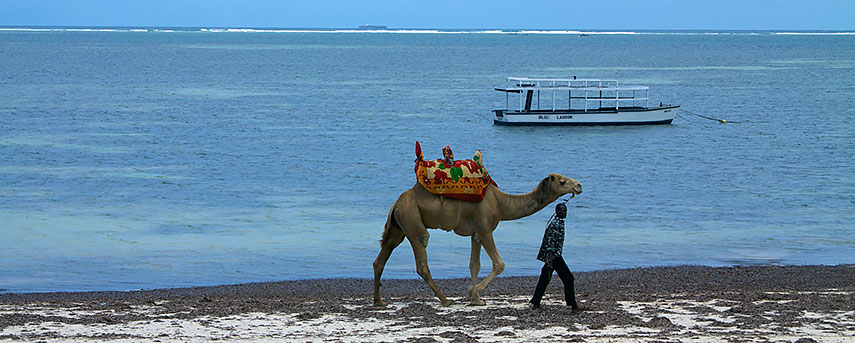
(461, 179)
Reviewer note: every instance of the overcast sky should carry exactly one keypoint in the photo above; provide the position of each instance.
(448, 14)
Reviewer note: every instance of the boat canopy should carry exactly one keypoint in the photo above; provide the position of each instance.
(583, 94)
(517, 84)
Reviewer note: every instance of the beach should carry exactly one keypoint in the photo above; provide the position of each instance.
(660, 304)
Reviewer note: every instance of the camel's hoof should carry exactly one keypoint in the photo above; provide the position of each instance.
(379, 303)
(478, 302)
(446, 303)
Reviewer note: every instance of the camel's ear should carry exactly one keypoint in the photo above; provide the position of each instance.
(551, 177)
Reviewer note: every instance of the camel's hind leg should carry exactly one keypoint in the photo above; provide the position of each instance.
(474, 268)
(419, 251)
(391, 239)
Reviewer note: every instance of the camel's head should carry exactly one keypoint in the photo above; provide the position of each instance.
(561, 185)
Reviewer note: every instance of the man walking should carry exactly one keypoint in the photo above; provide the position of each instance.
(550, 254)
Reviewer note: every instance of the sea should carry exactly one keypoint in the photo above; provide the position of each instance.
(142, 158)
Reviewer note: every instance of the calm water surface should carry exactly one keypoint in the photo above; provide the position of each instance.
(136, 160)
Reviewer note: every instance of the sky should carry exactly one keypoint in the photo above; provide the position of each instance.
(440, 14)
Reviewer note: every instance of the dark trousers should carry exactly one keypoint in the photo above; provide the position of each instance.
(566, 278)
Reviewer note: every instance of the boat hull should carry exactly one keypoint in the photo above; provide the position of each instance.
(630, 116)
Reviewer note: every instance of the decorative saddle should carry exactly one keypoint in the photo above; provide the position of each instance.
(465, 180)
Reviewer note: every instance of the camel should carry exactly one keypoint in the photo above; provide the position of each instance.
(417, 209)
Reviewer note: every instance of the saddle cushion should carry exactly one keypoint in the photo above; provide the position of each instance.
(465, 180)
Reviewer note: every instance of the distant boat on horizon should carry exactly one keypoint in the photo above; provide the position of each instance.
(372, 27)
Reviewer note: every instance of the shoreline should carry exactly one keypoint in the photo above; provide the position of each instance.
(755, 303)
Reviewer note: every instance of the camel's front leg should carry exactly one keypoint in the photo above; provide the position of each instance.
(498, 264)
(474, 268)
(420, 254)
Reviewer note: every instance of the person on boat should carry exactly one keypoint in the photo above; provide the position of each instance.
(550, 255)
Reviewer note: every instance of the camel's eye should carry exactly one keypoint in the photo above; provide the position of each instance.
(563, 181)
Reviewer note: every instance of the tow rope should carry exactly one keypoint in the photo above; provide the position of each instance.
(723, 121)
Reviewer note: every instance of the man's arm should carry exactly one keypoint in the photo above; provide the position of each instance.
(549, 257)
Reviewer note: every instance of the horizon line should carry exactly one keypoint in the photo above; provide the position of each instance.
(414, 28)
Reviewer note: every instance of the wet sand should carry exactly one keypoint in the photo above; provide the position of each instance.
(666, 304)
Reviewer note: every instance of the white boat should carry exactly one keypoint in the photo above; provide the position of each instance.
(579, 102)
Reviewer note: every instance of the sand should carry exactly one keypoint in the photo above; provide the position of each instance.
(666, 304)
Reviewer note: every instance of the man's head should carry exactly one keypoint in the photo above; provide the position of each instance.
(561, 210)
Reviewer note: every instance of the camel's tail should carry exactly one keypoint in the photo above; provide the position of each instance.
(387, 229)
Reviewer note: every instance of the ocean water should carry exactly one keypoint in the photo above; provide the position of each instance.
(138, 159)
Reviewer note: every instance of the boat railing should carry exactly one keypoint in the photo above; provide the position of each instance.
(580, 94)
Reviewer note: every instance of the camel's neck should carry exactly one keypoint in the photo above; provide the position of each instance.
(514, 206)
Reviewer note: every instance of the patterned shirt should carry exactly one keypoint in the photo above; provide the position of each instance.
(553, 239)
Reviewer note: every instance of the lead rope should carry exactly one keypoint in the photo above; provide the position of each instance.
(563, 202)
